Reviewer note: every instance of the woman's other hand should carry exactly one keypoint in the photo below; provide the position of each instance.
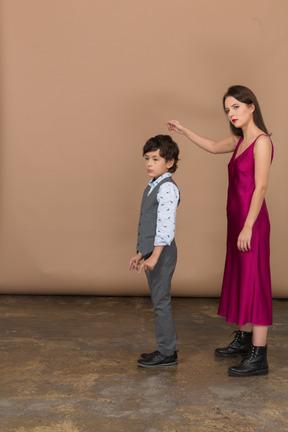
(244, 239)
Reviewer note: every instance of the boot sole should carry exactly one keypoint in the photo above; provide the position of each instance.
(254, 373)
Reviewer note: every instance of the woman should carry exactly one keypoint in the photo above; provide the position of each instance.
(246, 291)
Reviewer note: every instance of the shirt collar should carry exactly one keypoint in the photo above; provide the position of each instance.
(154, 183)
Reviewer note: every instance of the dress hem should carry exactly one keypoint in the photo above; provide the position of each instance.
(244, 323)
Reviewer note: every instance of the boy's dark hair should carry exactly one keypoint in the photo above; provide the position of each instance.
(168, 149)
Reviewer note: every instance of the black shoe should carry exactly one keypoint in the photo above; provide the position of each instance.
(240, 345)
(158, 360)
(255, 364)
(146, 355)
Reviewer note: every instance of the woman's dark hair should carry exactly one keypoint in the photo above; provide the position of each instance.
(245, 95)
(168, 149)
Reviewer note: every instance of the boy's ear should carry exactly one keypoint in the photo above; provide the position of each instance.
(170, 163)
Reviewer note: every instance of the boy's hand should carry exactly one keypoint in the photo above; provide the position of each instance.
(149, 264)
(134, 262)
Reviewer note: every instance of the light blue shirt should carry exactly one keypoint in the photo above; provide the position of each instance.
(167, 197)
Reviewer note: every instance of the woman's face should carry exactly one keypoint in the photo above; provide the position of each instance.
(238, 113)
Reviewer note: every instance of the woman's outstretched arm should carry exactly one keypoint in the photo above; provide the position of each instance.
(226, 145)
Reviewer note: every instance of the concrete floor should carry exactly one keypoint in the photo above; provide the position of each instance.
(68, 364)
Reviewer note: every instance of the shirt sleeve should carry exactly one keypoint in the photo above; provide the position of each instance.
(167, 197)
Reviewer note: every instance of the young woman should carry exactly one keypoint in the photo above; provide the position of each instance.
(246, 291)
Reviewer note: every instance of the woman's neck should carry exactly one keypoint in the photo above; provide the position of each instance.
(250, 131)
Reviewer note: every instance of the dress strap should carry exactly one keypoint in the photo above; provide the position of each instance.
(261, 135)
(237, 145)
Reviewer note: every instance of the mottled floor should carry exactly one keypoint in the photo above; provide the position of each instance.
(68, 364)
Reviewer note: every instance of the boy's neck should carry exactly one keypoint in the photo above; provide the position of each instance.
(154, 178)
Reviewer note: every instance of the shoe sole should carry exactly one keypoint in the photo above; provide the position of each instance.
(255, 373)
(158, 365)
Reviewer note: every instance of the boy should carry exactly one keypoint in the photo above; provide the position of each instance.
(156, 244)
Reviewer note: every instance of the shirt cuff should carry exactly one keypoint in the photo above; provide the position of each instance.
(161, 242)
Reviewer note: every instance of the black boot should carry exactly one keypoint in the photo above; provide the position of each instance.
(255, 364)
(240, 345)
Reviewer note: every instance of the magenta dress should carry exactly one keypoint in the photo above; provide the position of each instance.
(246, 291)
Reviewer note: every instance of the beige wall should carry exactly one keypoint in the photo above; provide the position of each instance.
(83, 85)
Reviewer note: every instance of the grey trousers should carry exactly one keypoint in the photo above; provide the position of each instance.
(159, 281)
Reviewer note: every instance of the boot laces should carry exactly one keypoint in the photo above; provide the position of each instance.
(237, 336)
(251, 354)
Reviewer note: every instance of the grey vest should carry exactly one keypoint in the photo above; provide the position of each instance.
(148, 219)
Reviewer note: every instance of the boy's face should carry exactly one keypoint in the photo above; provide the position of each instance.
(157, 165)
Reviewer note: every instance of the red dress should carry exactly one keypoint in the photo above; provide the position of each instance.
(246, 291)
